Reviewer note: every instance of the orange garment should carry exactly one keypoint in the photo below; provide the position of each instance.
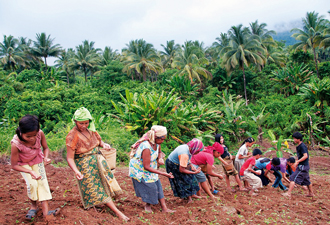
(184, 158)
(81, 144)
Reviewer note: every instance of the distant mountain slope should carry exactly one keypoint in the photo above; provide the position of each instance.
(285, 36)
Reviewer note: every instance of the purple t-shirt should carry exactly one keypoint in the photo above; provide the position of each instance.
(281, 167)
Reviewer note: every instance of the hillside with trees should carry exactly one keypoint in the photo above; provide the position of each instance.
(248, 83)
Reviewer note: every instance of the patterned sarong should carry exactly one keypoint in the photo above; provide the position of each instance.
(98, 184)
(183, 184)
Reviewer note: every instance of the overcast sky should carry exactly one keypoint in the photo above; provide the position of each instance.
(115, 22)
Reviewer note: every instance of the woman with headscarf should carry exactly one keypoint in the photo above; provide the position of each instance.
(205, 159)
(143, 168)
(96, 182)
(184, 184)
(227, 163)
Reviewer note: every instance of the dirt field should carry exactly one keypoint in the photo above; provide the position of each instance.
(232, 208)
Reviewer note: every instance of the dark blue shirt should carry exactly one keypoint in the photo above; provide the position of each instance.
(225, 153)
(301, 149)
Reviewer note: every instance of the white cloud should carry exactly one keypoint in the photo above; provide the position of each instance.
(115, 22)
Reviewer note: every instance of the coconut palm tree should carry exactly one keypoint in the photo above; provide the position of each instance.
(141, 57)
(169, 50)
(275, 55)
(10, 53)
(86, 58)
(222, 42)
(190, 64)
(325, 42)
(108, 55)
(261, 31)
(311, 35)
(63, 62)
(243, 50)
(44, 47)
(29, 57)
(267, 42)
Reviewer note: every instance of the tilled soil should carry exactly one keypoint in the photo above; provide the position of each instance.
(269, 207)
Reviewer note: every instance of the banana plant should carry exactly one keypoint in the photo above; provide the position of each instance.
(232, 120)
(292, 77)
(183, 85)
(259, 121)
(317, 92)
(280, 145)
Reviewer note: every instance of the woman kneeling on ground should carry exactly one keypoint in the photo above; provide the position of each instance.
(205, 159)
(227, 163)
(143, 168)
(184, 184)
(96, 182)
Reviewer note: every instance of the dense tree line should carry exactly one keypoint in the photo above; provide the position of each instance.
(193, 89)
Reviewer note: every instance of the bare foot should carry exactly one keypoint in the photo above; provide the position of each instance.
(243, 189)
(196, 196)
(189, 200)
(123, 217)
(168, 210)
(310, 195)
(147, 208)
(286, 195)
(214, 198)
(305, 188)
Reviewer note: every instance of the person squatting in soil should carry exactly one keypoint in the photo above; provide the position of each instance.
(301, 175)
(248, 174)
(270, 166)
(143, 170)
(96, 182)
(205, 160)
(184, 184)
(227, 163)
(28, 158)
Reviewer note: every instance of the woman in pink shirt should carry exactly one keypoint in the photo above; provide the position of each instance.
(28, 158)
(205, 160)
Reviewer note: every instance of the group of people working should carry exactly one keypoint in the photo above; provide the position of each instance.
(189, 167)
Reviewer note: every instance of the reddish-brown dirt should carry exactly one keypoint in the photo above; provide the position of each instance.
(232, 208)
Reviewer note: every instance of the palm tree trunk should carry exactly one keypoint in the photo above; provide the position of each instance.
(45, 62)
(67, 77)
(144, 74)
(246, 101)
(316, 67)
(85, 74)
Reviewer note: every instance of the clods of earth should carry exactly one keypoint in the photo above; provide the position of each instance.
(269, 207)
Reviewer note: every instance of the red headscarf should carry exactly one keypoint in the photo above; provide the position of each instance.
(215, 147)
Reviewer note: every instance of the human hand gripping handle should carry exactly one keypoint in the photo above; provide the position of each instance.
(106, 146)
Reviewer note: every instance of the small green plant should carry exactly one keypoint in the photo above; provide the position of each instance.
(279, 145)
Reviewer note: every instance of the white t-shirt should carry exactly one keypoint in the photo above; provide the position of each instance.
(242, 151)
